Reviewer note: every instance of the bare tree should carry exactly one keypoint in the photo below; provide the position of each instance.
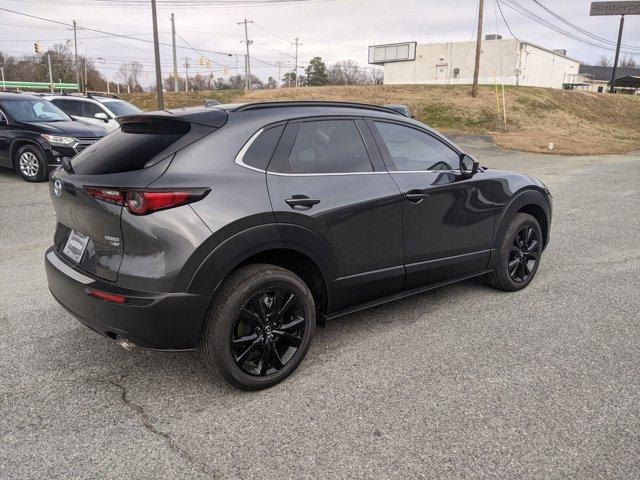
(375, 76)
(604, 61)
(346, 72)
(130, 74)
(628, 61)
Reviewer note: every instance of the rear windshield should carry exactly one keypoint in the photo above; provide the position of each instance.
(120, 108)
(123, 152)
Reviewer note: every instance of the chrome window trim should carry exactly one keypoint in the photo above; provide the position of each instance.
(243, 150)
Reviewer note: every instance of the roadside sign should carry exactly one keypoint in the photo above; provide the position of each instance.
(615, 8)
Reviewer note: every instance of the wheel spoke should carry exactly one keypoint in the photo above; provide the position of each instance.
(243, 357)
(527, 234)
(532, 246)
(522, 270)
(244, 340)
(262, 365)
(515, 269)
(290, 302)
(512, 264)
(289, 338)
(246, 314)
(297, 322)
(274, 357)
(256, 303)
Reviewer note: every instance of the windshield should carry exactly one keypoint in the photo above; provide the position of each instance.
(34, 110)
(120, 108)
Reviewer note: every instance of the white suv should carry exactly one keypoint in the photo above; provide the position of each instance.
(94, 109)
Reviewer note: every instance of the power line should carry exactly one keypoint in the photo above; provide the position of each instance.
(129, 37)
(579, 29)
(514, 5)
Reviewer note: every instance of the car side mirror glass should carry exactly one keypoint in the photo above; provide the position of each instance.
(468, 165)
(102, 116)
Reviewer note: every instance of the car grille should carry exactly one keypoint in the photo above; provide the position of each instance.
(84, 143)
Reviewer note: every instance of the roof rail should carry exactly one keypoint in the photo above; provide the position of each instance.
(313, 103)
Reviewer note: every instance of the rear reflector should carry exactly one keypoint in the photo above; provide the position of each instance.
(107, 297)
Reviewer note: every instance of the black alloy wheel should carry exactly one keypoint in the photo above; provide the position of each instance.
(259, 327)
(267, 331)
(524, 254)
(518, 254)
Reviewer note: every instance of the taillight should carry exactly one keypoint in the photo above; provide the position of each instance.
(109, 195)
(141, 202)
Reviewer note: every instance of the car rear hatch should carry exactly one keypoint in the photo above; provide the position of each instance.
(90, 191)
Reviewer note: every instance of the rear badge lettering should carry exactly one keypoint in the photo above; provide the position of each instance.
(113, 241)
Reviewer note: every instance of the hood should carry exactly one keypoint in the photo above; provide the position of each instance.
(71, 128)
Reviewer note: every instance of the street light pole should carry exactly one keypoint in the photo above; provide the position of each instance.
(156, 49)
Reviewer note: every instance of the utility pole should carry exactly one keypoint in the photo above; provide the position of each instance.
(279, 63)
(247, 81)
(297, 43)
(186, 74)
(85, 72)
(4, 87)
(75, 47)
(50, 73)
(156, 49)
(175, 59)
(615, 62)
(476, 70)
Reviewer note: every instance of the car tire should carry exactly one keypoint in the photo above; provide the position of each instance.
(259, 326)
(30, 164)
(518, 254)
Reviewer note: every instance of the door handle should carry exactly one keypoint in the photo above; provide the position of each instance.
(301, 201)
(416, 196)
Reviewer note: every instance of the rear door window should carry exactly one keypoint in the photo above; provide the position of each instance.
(70, 107)
(89, 110)
(259, 152)
(325, 146)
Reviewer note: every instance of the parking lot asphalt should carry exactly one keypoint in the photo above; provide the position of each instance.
(460, 382)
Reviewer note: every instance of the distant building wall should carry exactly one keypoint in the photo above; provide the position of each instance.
(543, 68)
(505, 61)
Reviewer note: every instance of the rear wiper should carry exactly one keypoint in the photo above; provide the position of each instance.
(66, 165)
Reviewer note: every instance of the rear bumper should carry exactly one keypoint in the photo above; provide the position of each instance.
(162, 321)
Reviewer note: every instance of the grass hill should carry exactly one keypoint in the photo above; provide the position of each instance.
(575, 122)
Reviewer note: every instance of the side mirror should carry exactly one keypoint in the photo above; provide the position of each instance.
(468, 165)
(102, 116)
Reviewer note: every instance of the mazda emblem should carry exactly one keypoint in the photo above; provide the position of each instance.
(57, 188)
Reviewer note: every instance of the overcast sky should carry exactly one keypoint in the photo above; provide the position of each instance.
(332, 29)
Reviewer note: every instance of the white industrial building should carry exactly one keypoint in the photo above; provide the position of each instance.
(507, 61)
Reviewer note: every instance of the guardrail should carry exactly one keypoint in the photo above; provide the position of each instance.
(39, 85)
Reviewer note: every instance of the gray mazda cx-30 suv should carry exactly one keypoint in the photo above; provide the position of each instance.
(235, 229)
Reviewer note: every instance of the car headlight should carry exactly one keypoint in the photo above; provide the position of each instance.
(58, 140)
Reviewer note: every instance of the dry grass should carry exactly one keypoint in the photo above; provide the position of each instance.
(576, 122)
